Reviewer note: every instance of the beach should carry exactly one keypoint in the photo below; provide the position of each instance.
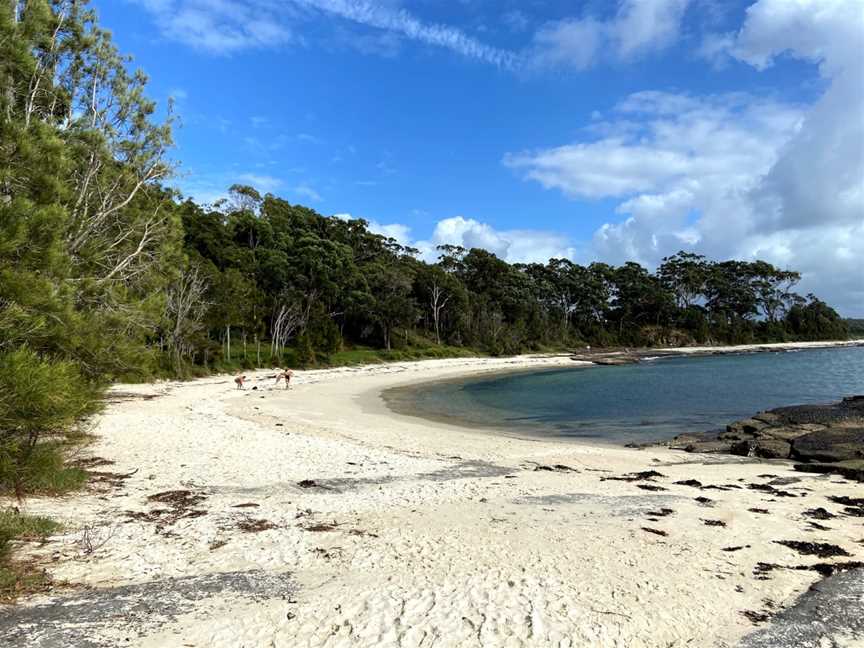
(316, 517)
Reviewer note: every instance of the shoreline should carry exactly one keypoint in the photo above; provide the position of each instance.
(399, 400)
(317, 517)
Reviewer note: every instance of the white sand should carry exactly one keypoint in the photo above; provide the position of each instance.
(435, 545)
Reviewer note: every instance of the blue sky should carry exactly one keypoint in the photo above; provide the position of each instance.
(608, 130)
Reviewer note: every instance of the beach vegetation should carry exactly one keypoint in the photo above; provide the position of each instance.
(17, 577)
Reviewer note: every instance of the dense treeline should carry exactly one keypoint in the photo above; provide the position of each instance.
(106, 273)
(261, 269)
(855, 327)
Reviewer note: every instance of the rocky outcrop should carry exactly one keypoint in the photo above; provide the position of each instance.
(821, 438)
(612, 359)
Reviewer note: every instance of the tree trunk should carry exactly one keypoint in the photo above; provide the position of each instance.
(228, 342)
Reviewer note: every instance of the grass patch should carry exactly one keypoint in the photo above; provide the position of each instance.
(361, 355)
(45, 471)
(17, 578)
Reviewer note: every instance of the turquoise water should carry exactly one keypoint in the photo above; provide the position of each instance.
(644, 402)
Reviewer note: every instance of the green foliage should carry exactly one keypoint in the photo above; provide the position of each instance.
(16, 578)
(17, 526)
(39, 398)
(304, 354)
(855, 327)
(89, 239)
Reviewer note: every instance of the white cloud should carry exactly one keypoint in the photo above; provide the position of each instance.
(263, 183)
(306, 137)
(514, 246)
(659, 142)
(737, 175)
(305, 191)
(208, 187)
(639, 27)
(401, 233)
(220, 26)
(178, 94)
(515, 20)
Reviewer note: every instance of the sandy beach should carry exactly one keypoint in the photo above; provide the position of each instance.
(316, 517)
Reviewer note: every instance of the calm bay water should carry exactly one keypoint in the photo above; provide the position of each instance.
(652, 400)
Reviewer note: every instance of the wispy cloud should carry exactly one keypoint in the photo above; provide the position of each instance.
(221, 26)
(401, 22)
(577, 41)
(637, 28)
(263, 183)
(306, 137)
(305, 191)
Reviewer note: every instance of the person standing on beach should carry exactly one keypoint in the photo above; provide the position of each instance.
(239, 381)
(286, 374)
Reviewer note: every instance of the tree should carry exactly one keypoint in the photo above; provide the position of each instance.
(684, 274)
(392, 305)
(184, 311)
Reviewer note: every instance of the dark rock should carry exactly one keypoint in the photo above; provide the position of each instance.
(645, 475)
(555, 468)
(689, 482)
(663, 512)
(784, 481)
(765, 448)
(818, 549)
(821, 414)
(853, 402)
(746, 426)
(735, 434)
(830, 445)
(853, 469)
(769, 418)
(765, 488)
(854, 512)
(786, 433)
(712, 447)
(847, 501)
(819, 514)
(755, 617)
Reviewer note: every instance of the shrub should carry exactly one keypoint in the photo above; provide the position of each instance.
(40, 401)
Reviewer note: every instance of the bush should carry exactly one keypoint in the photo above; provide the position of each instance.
(40, 402)
(305, 354)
